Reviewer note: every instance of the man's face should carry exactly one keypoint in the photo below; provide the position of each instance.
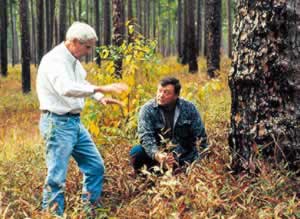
(166, 95)
(83, 49)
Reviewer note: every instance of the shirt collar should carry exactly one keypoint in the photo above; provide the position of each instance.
(68, 54)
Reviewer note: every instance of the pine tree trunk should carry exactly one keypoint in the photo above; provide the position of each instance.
(97, 25)
(199, 27)
(189, 44)
(154, 19)
(179, 31)
(265, 84)
(213, 22)
(13, 23)
(130, 19)
(62, 19)
(3, 37)
(33, 34)
(25, 44)
(228, 4)
(107, 22)
(118, 32)
(169, 29)
(40, 30)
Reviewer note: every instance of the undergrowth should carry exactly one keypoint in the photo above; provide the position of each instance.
(207, 189)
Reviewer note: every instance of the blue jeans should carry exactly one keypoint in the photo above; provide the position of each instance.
(65, 136)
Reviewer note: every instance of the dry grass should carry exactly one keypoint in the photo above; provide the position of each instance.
(207, 189)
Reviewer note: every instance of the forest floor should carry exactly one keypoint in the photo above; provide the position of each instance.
(207, 189)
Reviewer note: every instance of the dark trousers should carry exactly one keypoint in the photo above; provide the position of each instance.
(139, 158)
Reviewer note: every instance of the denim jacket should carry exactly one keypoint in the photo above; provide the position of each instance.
(187, 129)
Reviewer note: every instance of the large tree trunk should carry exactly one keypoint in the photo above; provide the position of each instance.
(107, 23)
(189, 48)
(40, 29)
(3, 37)
(213, 22)
(25, 44)
(118, 32)
(265, 83)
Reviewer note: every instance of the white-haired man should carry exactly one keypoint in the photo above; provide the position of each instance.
(61, 88)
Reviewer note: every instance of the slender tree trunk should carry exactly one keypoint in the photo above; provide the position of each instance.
(179, 31)
(213, 22)
(107, 22)
(118, 34)
(48, 25)
(13, 23)
(205, 28)
(25, 44)
(154, 18)
(74, 3)
(228, 4)
(199, 27)
(33, 34)
(169, 29)
(130, 19)
(265, 84)
(139, 15)
(97, 24)
(52, 20)
(40, 30)
(3, 37)
(79, 10)
(62, 19)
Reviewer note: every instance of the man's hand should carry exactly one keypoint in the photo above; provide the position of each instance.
(107, 100)
(165, 159)
(114, 87)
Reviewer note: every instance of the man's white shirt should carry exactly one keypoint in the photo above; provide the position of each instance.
(61, 84)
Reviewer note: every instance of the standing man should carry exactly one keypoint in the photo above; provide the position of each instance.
(169, 129)
(61, 88)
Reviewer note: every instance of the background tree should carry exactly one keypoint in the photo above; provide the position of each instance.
(180, 31)
(189, 43)
(107, 22)
(213, 22)
(3, 37)
(229, 22)
(199, 27)
(264, 82)
(97, 28)
(118, 32)
(25, 44)
(62, 19)
(40, 29)
(14, 37)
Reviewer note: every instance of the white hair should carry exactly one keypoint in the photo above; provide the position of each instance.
(81, 31)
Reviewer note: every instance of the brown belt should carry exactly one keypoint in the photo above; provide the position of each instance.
(66, 114)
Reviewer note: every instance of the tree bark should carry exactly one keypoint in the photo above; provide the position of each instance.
(13, 24)
(265, 84)
(33, 34)
(189, 49)
(130, 19)
(118, 32)
(25, 44)
(199, 27)
(3, 37)
(97, 25)
(179, 31)
(62, 19)
(40, 30)
(154, 18)
(213, 22)
(228, 4)
(107, 22)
